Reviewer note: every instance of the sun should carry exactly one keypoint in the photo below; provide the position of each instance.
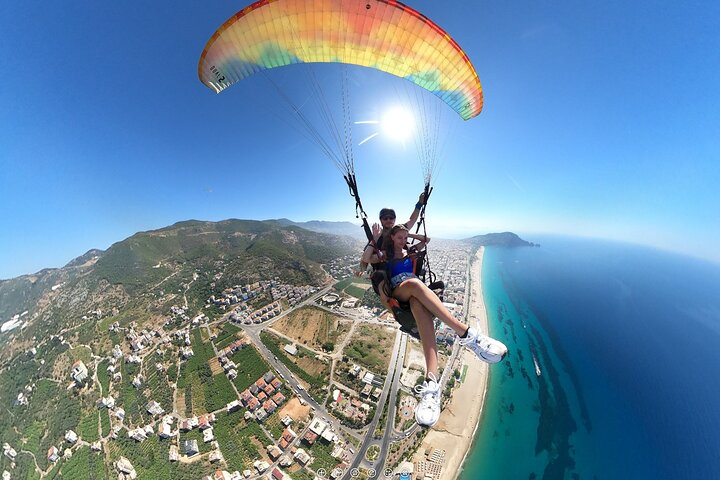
(398, 123)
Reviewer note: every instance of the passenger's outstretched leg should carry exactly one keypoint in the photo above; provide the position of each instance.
(486, 348)
(414, 288)
(427, 411)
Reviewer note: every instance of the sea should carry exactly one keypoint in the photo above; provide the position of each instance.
(614, 364)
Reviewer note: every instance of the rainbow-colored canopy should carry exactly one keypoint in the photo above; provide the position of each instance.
(382, 34)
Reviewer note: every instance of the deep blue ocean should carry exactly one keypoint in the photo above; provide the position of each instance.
(627, 345)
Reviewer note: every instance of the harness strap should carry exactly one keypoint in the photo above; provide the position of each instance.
(359, 210)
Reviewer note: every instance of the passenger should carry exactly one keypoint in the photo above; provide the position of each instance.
(404, 286)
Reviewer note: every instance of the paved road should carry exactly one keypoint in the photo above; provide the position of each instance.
(369, 440)
(389, 427)
(392, 407)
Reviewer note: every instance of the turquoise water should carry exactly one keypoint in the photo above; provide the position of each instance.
(627, 343)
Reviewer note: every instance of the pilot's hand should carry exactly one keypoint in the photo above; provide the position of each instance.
(376, 231)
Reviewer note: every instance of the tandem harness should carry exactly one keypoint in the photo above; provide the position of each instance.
(402, 313)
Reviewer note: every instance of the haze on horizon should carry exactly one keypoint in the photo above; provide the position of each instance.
(599, 121)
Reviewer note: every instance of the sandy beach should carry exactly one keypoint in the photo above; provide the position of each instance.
(455, 430)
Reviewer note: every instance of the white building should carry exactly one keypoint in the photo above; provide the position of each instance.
(154, 408)
(317, 426)
(215, 456)
(134, 359)
(260, 466)
(328, 436)
(79, 371)
(232, 406)
(107, 402)
(71, 437)
(165, 431)
(9, 452)
(302, 457)
(125, 468)
(53, 454)
(138, 434)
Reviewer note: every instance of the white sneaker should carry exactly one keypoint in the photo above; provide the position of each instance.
(487, 349)
(427, 411)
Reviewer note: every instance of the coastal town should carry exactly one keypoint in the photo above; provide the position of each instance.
(281, 385)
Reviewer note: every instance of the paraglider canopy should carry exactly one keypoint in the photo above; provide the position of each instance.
(382, 34)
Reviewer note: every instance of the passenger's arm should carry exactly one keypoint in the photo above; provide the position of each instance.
(371, 255)
(423, 240)
(365, 260)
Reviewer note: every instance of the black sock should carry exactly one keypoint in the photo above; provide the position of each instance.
(464, 335)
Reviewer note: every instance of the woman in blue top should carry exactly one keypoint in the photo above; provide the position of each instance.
(424, 304)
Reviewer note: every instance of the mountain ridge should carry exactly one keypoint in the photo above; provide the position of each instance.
(247, 250)
(504, 239)
(343, 228)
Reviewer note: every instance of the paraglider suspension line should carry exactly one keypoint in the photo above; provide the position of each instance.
(421, 224)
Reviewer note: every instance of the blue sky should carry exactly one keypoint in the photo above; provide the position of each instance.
(600, 120)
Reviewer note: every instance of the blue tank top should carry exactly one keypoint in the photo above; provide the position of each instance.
(401, 266)
(401, 270)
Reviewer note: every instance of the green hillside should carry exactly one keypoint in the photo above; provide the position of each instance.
(147, 286)
(143, 275)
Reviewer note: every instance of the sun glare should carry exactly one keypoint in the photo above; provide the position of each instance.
(398, 123)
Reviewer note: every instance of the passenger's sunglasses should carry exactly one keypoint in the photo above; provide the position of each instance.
(387, 217)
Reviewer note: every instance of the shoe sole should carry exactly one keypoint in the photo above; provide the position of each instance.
(490, 357)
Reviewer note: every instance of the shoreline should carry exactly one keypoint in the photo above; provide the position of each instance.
(459, 420)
